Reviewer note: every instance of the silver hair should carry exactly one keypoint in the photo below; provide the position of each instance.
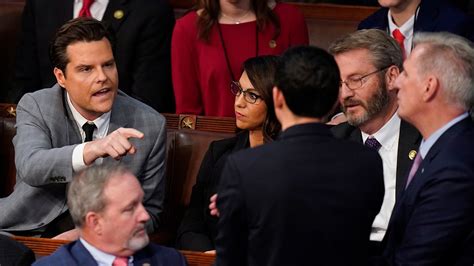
(86, 191)
(451, 58)
(384, 50)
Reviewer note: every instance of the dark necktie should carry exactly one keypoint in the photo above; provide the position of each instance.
(398, 36)
(88, 128)
(86, 8)
(373, 143)
(414, 168)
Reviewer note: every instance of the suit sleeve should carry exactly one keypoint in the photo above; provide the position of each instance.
(27, 68)
(152, 177)
(231, 241)
(37, 162)
(193, 233)
(152, 63)
(442, 218)
(185, 71)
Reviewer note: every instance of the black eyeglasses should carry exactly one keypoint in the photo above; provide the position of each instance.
(356, 83)
(249, 97)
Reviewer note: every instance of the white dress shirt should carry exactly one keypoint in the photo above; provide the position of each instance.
(102, 258)
(406, 29)
(388, 137)
(102, 126)
(97, 8)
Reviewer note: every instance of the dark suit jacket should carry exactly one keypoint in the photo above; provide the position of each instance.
(304, 199)
(75, 253)
(433, 16)
(198, 229)
(409, 140)
(14, 253)
(434, 216)
(142, 47)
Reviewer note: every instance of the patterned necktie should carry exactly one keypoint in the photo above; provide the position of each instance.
(373, 143)
(86, 8)
(120, 261)
(414, 168)
(398, 36)
(88, 128)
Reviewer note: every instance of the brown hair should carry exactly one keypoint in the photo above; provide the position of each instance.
(76, 30)
(210, 16)
(261, 72)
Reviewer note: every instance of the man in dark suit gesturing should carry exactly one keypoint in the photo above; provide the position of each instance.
(289, 202)
(106, 206)
(142, 30)
(370, 61)
(434, 217)
(83, 120)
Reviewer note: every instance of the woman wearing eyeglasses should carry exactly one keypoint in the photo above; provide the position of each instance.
(253, 105)
(211, 42)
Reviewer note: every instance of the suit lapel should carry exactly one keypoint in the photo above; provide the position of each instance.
(116, 12)
(145, 257)
(356, 135)
(73, 135)
(81, 255)
(64, 11)
(408, 143)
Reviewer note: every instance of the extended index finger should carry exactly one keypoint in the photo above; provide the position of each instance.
(131, 133)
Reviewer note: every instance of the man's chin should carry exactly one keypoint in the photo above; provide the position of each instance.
(138, 242)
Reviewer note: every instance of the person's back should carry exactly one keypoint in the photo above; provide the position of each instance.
(315, 203)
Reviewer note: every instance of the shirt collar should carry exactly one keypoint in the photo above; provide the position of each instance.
(99, 256)
(101, 2)
(99, 122)
(426, 145)
(387, 135)
(406, 29)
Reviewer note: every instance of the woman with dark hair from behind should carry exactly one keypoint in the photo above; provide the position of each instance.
(211, 42)
(253, 105)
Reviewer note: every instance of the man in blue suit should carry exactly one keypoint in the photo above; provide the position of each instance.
(433, 220)
(411, 16)
(106, 206)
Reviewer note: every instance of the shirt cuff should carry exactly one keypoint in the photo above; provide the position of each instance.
(78, 158)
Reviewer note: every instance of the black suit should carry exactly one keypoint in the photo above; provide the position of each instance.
(408, 141)
(304, 199)
(142, 47)
(198, 229)
(14, 253)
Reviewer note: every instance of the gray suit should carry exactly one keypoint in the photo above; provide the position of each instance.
(46, 136)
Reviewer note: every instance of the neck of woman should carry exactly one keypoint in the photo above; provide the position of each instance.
(236, 11)
(255, 137)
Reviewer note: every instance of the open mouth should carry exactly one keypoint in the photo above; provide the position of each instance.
(102, 92)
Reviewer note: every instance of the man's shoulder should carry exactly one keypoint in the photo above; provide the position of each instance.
(62, 256)
(46, 96)
(134, 109)
(344, 130)
(377, 20)
(166, 255)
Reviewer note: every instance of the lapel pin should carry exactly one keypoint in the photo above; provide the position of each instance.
(272, 44)
(412, 154)
(118, 14)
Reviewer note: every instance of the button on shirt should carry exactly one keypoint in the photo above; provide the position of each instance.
(102, 124)
(97, 8)
(406, 29)
(102, 258)
(388, 136)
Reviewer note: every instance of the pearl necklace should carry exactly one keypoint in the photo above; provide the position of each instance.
(236, 20)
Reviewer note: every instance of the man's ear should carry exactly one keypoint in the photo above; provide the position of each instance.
(391, 76)
(278, 99)
(60, 77)
(432, 87)
(93, 221)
